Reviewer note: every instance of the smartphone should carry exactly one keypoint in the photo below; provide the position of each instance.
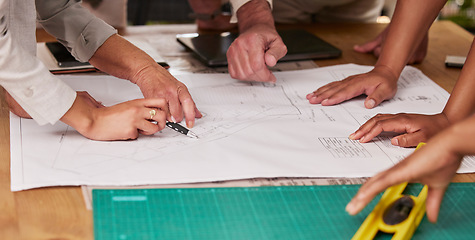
(454, 61)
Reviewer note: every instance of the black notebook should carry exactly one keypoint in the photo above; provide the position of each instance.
(301, 45)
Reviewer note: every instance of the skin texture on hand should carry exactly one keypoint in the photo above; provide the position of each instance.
(379, 84)
(435, 164)
(123, 121)
(258, 46)
(154, 81)
(414, 128)
(374, 47)
(250, 55)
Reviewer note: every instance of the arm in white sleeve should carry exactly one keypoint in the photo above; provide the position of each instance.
(42, 95)
(74, 26)
(236, 4)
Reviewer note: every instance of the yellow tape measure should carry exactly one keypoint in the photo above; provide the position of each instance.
(395, 214)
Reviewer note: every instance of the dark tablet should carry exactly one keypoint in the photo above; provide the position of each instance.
(301, 45)
(63, 56)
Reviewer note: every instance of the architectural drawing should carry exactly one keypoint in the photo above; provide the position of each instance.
(249, 130)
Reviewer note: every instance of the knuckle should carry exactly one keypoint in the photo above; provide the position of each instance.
(257, 64)
(403, 141)
(135, 110)
(374, 120)
(248, 72)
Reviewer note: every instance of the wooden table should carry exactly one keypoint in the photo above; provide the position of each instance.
(60, 212)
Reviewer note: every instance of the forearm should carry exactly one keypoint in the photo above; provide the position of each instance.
(74, 26)
(122, 59)
(255, 12)
(459, 137)
(410, 23)
(461, 103)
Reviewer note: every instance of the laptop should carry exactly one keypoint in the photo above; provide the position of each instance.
(301, 45)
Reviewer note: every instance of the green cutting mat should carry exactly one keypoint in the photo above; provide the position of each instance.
(287, 212)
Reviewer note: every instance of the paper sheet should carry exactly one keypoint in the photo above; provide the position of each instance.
(248, 130)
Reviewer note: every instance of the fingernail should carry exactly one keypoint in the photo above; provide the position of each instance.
(352, 136)
(370, 103)
(189, 124)
(173, 120)
(362, 138)
(324, 101)
(395, 141)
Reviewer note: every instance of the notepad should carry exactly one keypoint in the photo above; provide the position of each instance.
(301, 45)
(287, 212)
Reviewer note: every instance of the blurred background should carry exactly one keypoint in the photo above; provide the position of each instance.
(121, 13)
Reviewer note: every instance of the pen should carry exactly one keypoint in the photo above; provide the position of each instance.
(179, 128)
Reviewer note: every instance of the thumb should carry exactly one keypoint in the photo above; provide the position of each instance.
(409, 139)
(367, 47)
(379, 94)
(270, 59)
(275, 52)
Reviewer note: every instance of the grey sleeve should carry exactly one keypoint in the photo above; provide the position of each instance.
(74, 26)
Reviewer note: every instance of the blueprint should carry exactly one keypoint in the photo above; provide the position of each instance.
(249, 130)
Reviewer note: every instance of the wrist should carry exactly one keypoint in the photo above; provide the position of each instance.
(80, 116)
(387, 72)
(140, 73)
(255, 12)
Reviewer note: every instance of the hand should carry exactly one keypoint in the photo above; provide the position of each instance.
(255, 49)
(14, 107)
(379, 84)
(374, 46)
(435, 164)
(119, 122)
(155, 82)
(416, 128)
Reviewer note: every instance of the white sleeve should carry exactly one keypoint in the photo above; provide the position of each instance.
(42, 95)
(236, 4)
